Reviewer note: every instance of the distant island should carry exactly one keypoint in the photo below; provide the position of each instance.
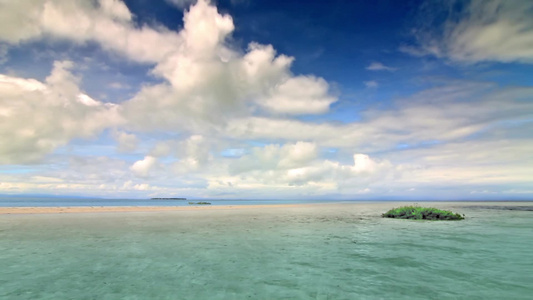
(168, 198)
(421, 213)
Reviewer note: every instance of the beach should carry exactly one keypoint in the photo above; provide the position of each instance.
(109, 209)
(295, 251)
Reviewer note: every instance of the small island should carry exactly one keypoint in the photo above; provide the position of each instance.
(200, 203)
(168, 198)
(421, 213)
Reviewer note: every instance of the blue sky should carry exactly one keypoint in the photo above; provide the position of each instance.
(260, 99)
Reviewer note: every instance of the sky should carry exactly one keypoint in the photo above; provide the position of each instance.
(421, 100)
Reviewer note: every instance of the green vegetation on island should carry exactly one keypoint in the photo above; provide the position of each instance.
(421, 213)
(200, 203)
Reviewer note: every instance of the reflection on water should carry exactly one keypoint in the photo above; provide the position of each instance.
(291, 253)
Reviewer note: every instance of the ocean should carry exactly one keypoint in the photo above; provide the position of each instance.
(323, 251)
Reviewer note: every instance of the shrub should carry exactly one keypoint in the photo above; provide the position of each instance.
(421, 213)
(200, 203)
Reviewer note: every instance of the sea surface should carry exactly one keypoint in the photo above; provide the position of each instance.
(325, 251)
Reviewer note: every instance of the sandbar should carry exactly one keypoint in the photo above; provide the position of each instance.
(103, 209)
(381, 205)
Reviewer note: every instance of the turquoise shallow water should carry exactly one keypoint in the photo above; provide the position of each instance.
(342, 251)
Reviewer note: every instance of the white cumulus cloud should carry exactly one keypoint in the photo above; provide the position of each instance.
(206, 82)
(300, 95)
(142, 168)
(38, 117)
